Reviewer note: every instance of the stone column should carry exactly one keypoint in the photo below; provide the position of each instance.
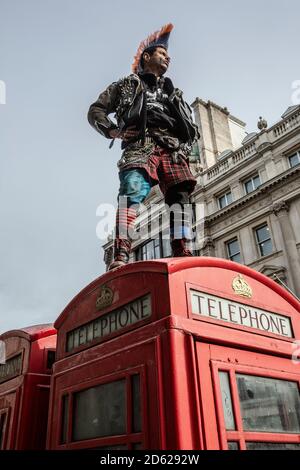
(247, 245)
(281, 210)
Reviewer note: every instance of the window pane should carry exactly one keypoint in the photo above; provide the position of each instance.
(11, 368)
(100, 411)
(138, 254)
(150, 250)
(222, 202)
(263, 233)
(225, 200)
(271, 405)
(236, 258)
(136, 405)
(227, 401)
(229, 198)
(64, 419)
(294, 160)
(233, 247)
(249, 186)
(157, 248)
(195, 150)
(233, 445)
(156, 242)
(266, 248)
(256, 181)
(166, 247)
(272, 446)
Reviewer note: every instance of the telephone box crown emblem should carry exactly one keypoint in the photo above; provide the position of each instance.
(241, 287)
(105, 298)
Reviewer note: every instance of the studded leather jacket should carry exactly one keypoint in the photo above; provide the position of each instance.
(127, 99)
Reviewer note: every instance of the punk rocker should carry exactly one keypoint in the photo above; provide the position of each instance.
(156, 128)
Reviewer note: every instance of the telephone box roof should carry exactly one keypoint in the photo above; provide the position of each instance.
(31, 333)
(170, 266)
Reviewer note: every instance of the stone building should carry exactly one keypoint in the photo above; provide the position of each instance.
(246, 204)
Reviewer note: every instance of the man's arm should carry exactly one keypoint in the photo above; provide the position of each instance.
(99, 111)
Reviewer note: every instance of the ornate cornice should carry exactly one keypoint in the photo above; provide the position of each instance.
(280, 206)
(253, 195)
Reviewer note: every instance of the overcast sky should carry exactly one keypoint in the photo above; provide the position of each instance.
(55, 170)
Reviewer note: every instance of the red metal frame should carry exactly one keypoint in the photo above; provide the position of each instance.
(128, 438)
(180, 353)
(271, 368)
(73, 384)
(4, 431)
(26, 395)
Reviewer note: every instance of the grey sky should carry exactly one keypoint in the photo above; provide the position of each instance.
(55, 58)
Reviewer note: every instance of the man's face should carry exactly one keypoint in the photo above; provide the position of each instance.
(158, 62)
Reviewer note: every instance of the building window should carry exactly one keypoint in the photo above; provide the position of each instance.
(150, 250)
(166, 248)
(233, 250)
(294, 159)
(194, 156)
(252, 184)
(225, 200)
(263, 239)
(155, 249)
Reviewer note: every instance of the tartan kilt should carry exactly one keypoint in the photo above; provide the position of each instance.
(164, 171)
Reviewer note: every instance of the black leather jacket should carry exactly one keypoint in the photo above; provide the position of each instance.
(126, 98)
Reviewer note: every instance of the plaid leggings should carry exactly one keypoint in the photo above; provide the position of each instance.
(135, 185)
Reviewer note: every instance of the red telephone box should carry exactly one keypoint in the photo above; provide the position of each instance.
(182, 353)
(24, 387)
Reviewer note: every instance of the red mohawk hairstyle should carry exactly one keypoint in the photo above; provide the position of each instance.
(159, 38)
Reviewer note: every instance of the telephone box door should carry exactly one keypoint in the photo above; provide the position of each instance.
(256, 399)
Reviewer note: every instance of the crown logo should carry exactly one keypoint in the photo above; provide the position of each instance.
(241, 287)
(105, 298)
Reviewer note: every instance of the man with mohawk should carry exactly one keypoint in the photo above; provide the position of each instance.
(157, 132)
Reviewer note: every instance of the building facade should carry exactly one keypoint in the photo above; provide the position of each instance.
(246, 205)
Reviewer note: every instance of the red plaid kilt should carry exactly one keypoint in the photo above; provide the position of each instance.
(164, 171)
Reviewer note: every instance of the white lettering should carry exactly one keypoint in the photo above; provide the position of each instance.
(241, 314)
(111, 322)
